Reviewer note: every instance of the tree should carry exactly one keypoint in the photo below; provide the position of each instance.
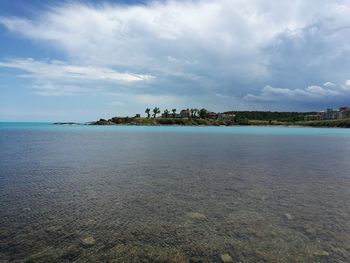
(156, 110)
(174, 112)
(148, 112)
(166, 113)
(203, 113)
(194, 113)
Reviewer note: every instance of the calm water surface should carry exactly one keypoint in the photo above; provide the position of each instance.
(173, 194)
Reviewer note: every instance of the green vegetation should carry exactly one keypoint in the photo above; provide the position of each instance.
(166, 113)
(147, 111)
(163, 121)
(271, 115)
(203, 113)
(194, 113)
(342, 123)
(156, 110)
(197, 117)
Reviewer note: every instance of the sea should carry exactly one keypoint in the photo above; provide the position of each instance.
(81, 193)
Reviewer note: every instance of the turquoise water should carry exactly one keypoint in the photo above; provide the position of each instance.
(173, 194)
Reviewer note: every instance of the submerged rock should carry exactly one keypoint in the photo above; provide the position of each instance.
(54, 229)
(310, 230)
(88, 241)
(196, 215)
(321, 253)
(66, 123)
(226, 258)
(288, 216)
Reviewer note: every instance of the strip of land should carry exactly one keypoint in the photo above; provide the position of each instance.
(342, 123)
(194, 117)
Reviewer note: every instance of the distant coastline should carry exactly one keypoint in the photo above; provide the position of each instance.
(202, 117)
(344, 123)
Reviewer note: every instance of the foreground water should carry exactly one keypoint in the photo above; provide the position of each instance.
(174, 194)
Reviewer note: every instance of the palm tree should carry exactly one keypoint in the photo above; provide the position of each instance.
(174, 112)
(148, 112)
(156, 110)
(195, 112)
(166, 113)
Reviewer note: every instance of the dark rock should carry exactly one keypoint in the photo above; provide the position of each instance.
(104, 122)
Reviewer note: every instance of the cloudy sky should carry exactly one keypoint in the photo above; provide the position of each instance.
(81, 60)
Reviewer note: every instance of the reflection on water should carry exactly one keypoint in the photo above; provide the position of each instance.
(118, 196)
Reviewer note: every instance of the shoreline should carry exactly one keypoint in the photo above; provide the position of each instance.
(201, 125)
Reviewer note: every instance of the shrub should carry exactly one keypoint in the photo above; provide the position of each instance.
(166, 121)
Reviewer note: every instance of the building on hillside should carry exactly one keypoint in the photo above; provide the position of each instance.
(212, 115)
(341, 113)
(344, 112)
(185, 113)
(226, 116)
(171, 115)
(331, 114)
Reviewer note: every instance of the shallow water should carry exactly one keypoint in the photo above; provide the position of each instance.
(173, 194)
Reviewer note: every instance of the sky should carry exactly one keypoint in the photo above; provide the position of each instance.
(85, 60)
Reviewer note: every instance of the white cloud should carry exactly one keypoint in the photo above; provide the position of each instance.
(329, 84)
(228, 33)
(220, 49)
(55, 89)
(328, 91)
(56, 78)
(58, 70)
